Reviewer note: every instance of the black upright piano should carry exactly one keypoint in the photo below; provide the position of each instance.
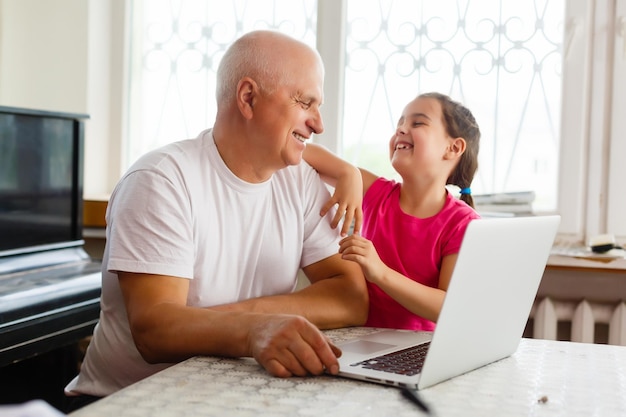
(49, 286)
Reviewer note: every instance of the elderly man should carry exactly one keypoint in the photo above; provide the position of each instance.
(205, 236)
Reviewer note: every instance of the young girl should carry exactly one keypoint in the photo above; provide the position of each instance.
(412, 231)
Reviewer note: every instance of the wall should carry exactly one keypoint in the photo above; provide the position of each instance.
(43, 57)
(67, 55)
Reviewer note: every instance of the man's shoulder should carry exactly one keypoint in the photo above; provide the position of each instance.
(301, 182)
(178, 153)
(299, 172)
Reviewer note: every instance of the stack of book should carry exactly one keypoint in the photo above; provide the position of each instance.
(518, 203)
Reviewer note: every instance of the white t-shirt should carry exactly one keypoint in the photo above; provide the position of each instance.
(180, 211)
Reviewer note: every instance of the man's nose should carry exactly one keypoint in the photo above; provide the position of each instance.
(315, 122)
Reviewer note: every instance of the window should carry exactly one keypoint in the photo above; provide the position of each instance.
(501, 59)
(525, 69)
(179, 45)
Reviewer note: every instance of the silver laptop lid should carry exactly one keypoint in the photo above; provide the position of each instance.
(495, 280)
(485, 311)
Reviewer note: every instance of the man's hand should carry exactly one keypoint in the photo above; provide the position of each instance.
(287, 345)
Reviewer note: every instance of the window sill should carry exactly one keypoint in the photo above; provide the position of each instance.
(93, 212)
(561, 260)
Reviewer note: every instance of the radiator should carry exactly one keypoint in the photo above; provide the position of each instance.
(549, 314)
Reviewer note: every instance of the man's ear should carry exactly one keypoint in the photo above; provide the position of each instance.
(247, 90)
(456, 148)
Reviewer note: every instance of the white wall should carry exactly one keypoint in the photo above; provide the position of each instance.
(43, 58)
(57, 55)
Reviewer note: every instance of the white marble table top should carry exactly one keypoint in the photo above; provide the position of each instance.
(542, 378)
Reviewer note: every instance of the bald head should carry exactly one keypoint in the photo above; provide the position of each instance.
(263, 55)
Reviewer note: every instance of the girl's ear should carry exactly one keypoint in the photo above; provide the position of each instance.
(456, 148)
(247, 90)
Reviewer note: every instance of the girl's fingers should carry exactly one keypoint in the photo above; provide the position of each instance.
(327, 206)
(358, 220)
(347, 222)
(338, 215)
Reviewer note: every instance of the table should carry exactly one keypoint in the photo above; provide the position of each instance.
(542, 378)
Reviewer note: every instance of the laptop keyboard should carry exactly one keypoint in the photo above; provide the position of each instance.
(407, 361)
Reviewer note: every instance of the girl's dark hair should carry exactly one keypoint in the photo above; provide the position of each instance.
(460, 122)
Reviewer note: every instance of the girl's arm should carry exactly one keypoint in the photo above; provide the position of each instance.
(419, 299)
(368, 179)
(346, 178)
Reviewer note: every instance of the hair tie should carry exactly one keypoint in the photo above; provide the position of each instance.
(466, 190)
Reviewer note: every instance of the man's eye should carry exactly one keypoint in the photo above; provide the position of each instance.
(305, 104)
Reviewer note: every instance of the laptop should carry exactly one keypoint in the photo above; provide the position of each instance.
(491, 292)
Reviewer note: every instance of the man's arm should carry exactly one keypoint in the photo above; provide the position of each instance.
(337, 296)
(165, 329)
